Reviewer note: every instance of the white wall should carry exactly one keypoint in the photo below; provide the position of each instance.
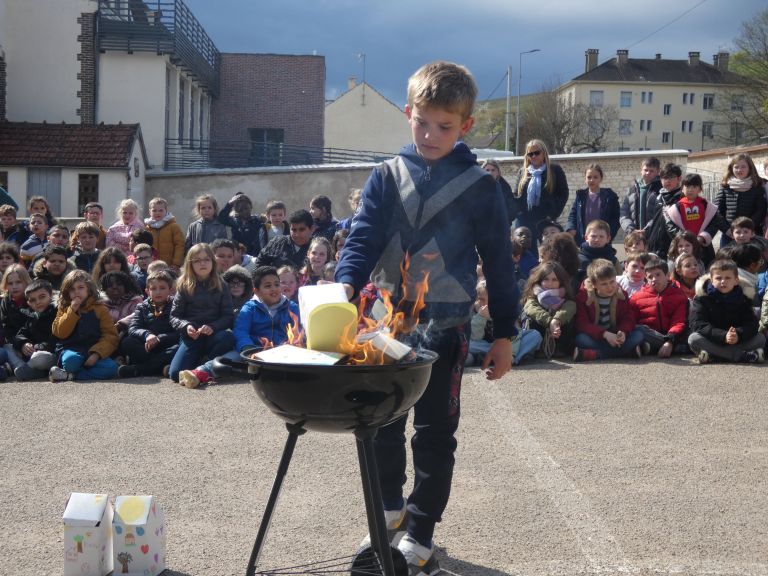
(378, 125)
(17, 186)
(132, 89)
(40, 42)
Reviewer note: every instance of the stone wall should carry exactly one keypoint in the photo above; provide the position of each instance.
(297, 185)
(716, 161)
(87, 74)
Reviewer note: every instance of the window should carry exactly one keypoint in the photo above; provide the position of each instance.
(650, 97)
(625, 127)
(87, 190)
(642, 97)
(708, 101)
(667, 109)
(707, 129)
(266, 146)
(4, 180)
(682, 125)
(623, 148)
(737, 132)
(690, 99)
(648, 125)
(737, 103)
(690, 125)
(685, 97)
(182, 91)
(192, 115)
(596, 98)
(642, 125)
(626, 99)
(665, 137)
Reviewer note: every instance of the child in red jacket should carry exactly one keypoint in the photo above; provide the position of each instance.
(660, 309)
(605, 325)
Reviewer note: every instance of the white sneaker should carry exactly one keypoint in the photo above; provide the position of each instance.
(56, 374)
(421, 560)
(396, 524)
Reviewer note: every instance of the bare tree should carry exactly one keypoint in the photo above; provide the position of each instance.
(592, 128)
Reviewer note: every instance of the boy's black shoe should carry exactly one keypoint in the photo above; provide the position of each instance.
(752, 356)
(128, 371)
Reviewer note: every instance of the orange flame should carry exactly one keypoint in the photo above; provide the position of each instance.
(294, 331)
(266, 343)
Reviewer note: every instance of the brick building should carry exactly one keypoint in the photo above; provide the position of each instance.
(270, 110)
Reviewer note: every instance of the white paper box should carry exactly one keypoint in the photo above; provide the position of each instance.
(138, 532)
(87, 535)
(312, 296)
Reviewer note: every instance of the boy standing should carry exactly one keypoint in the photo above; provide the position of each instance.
(276, 224)
(433, 206)
(167, 237)
(723, 323)
(660, 309)
(246, 228)
(639, 205)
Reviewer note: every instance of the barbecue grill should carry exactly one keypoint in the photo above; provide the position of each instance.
(341, 398)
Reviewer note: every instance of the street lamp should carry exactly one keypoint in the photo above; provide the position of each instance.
(519, 80)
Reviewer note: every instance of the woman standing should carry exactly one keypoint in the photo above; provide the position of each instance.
(542, 189)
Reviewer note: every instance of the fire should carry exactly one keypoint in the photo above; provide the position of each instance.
(294, 331)
(266, 343)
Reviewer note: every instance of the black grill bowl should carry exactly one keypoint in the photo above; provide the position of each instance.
(340, 398)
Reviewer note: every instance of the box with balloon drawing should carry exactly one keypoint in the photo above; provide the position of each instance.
(138, 536)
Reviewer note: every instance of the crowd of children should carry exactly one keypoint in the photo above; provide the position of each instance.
(140, 298)
(672, 294)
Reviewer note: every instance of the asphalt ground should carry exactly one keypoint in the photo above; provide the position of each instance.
(618, 467)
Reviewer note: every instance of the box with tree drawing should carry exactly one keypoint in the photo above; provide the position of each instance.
(138, 532)
(87, 535)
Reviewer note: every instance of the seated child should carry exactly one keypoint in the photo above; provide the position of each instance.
(9, 254)
(722, 321)
(53, 266)
(142, 236)
(39, 205)
(86, 251)
(687, 270)
(167, 237)
(128, 220)
(634, 242)
(111, 259)
(13, 284)
(748, 258)
(289, 282)
(524, 344)
(318, 255)
(562, 249)
(94, 213)
(86, 335)
(262, 322)
(661, 311)
(549, 308)
(743, 231)
(151, 341)
(10, 229)
(142, 258)
(605, 325)
(546, 229)
(37, 240)
(523, 260)
(240, 286)
(596, 246)
(122, 298)
(684, 242)
(633, 278)
(34, 342)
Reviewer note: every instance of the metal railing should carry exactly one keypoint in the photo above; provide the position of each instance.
(162, 27)
(190, 154)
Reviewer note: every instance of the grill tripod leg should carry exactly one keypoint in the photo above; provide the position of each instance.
(294, 431)
(374, 507)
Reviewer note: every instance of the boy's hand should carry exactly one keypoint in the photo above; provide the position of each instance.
(27, 349)
(236, 197)
(91, 360)
(75, 305)
(611, 338)
(621, 337)
(731, 337)
(484, 312)
(151, 342)
(192, 332)
(554, 328)
(205, 330)
(500, 355)
(350, 290)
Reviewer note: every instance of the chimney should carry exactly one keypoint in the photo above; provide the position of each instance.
(721, 61)
(622, 56)
(591, 60)
(351, 82)
(693, 58)
(658, 56)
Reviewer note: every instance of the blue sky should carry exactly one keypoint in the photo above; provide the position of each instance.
(398, 36)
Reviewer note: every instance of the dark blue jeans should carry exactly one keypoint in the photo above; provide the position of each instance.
(192, 353)
(436, 419)
(149, 363)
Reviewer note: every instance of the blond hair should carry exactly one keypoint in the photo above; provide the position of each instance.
(14, 269)
(127, 204)
(445, 85)
(158, 200)
(65, 301)
(188, 280)
(549, 187)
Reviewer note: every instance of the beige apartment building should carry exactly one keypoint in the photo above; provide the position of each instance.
(662, 104)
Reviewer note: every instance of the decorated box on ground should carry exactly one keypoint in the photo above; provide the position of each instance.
(87, 535)
(138, 531)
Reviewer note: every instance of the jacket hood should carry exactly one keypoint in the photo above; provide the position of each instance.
(160, 223)
(460, 155)
(39, 272)
(241, 273)
(592, 294)
(703, 283)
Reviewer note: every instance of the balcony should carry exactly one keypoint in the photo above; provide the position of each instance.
(206, 154)
(162, 27)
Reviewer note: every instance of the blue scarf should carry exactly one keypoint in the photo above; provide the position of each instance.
(534, 185)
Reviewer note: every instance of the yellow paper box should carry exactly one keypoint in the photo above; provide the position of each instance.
(138, 533)
(87, 535)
